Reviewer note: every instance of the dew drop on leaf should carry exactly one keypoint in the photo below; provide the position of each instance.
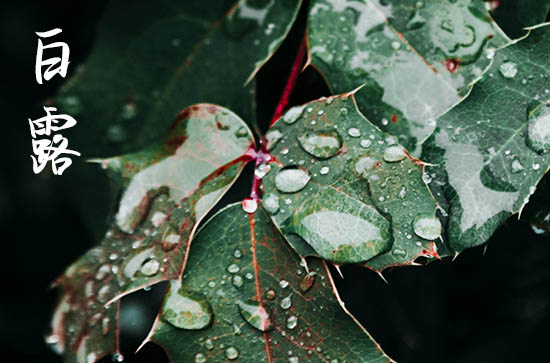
(343, 111)
(117, 357)
(399, 253)
(200, 358)
(365, 143)
(255, 314)
(233, 268)
(427, 226)
(286, 302)
(186, 309)
(283, 284)
(394, 153)
(149, 268)
(237, 281)
(271, 203)
(291, 179)
(538, 129)
(354, 132)
(321, 144)
(249, 205)
(208, 344)
(273, 136)
(508, 69)
(291, 322)
(231, 353)
(292, 115)
(324, 170)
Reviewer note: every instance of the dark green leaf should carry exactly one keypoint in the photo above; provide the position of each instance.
(346, 189)
(416, 58)
(514, 15)
(152, 59)
(491, 150)
(263, 304)
(168, 188)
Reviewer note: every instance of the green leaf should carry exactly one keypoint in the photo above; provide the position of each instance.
(491, 150)
(343, 190)
(416, 58)
(514, 16)
(168, 188)
(246, 295)
(152, 60)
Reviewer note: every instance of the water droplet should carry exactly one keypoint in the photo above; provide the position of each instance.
(343, 111)
(255, 314)
(292, 115)
(249, 276)
(291, 322)
(233, 268)
(249, 205)
(128, 111)
(200, 358)
(427, 226)
(426, 178)
(321, 144)
(324, 170)
(149, 268)
(293, 360)
(271, 203)
(516, 166)
(270, 294)
(116, 133)
(283, 284)
(536, 166)
(354, 132)
(237, 281)
(508, 69)
(394, 153)
(365, 143)
(186, 309)
(291, 179)
(286, 302)
(307, 281)
(237, 254)
(399, 253)
(231, 353)
(261, 170)
(211, 284)
(273, 136)
(538, 129)
(208, 344)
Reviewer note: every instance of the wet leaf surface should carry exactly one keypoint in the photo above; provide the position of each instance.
(168, 188)
(152, 60)
(350, 194)
(267, 317)
(491, 150)
(416, 58)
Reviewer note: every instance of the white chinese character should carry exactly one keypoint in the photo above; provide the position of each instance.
(62, 62)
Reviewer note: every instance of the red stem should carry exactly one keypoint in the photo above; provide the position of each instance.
(287, 91)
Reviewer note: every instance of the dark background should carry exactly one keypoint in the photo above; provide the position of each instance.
(492, 307)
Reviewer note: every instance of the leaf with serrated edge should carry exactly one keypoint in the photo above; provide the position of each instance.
(169, 188)
(309, 325)
(484, 169)
(152, 59)
(357, 207)
(416, 58)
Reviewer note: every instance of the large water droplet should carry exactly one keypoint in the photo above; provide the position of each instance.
(291, 179)
(273, 136)
(271, 203)
(286, 302)
(321, 144)
(394, 153)
(186, 309)
(354, 132)
(427, 226)
(233, 268)
(231, 353)
(508, 69)
(516, 166)
(150, 267)
(291, 322)
(249, 205)
(255, 314)
(292, 115)
(200, 358)
(283, 284)
(538, 129)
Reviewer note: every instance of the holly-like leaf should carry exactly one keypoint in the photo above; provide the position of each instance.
(168, 188)
(416, 58)
(152, 60)
(514, 16)
(491, 150)
(344, 191)
(246, 296)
